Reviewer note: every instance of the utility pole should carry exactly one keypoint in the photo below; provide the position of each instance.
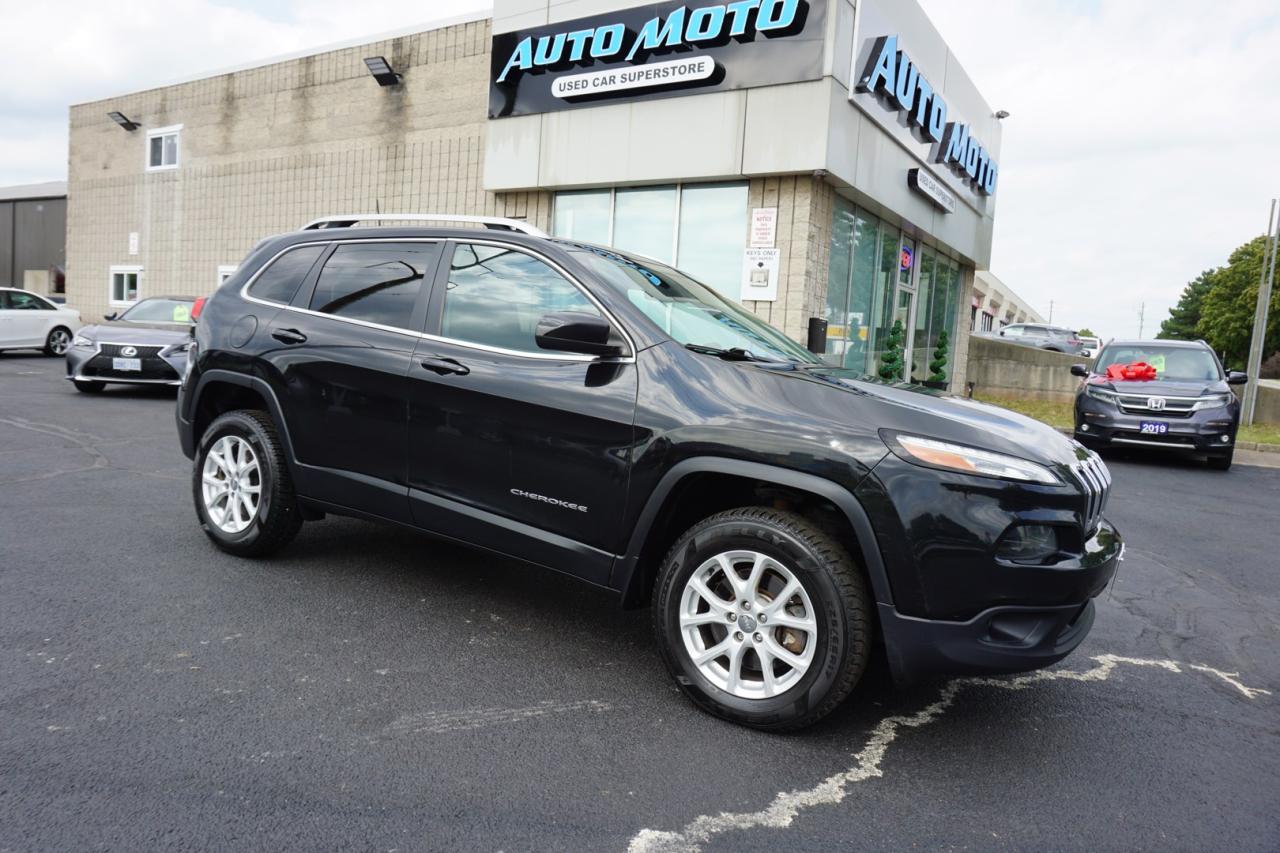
(1265, 281)
(1050, 311)
(1142, 319)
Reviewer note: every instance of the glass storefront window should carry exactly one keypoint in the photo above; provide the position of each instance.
(713, 233)
(870, 289)
(644, 222)
(702, 228)
(583, 216)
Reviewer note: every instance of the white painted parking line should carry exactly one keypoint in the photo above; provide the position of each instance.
(440, 722)
(867, 763)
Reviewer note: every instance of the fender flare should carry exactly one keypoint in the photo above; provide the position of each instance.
(629, 581)
(256, 384)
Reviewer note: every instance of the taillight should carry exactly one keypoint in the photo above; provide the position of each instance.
(198, 307)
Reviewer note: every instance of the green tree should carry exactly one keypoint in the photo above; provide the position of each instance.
(939, 363)
(1086, 332)
(1185, 316)
(891, 361)
(1226, 313)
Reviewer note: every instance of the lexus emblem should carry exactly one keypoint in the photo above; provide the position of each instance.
(130, 352)
(1155, 404)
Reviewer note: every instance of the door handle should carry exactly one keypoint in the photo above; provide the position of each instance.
(289, 336)
(443, 366)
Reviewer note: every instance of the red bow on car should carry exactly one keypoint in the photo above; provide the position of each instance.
(1137, 371)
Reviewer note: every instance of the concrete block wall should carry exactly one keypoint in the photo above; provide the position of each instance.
(266, 149)
(804, 236)
(1011, 370)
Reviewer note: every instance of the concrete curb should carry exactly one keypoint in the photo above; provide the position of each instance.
(1259, 446)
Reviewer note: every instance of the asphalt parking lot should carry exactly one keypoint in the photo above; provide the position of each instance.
(372, 689)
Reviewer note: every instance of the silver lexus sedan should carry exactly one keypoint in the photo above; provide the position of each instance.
(145, 345)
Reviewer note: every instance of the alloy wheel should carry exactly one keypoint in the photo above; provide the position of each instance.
(59, 341)
(231, 484)
(748, 624)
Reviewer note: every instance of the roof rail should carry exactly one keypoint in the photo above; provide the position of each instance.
(495, 222)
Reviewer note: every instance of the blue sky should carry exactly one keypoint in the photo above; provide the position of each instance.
(1143, 145)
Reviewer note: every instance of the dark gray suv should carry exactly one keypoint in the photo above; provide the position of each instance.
(1188, 406)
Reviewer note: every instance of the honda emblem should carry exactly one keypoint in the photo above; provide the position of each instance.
(1155, 404)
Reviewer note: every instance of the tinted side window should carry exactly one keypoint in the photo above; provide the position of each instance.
(280, 280)
(19, 301)
(496, 296)
(375, 282)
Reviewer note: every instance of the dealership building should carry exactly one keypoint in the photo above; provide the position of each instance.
(807, 158)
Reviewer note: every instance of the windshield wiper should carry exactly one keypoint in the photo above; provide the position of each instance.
(730, 354)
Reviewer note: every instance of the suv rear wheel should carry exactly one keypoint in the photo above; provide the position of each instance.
(241, 486)
(763, 618)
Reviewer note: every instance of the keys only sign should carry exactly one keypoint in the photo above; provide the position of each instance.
(658, 51)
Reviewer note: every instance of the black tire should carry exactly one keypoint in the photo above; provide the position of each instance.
(1222, 462)
(278, 517)
(834, 583)
(85, 387)
(58, 341)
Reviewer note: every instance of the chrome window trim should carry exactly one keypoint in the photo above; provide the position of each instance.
(537, 356)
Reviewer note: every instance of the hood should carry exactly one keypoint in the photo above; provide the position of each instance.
(935, 414)
(1161, 387)
(124, 332)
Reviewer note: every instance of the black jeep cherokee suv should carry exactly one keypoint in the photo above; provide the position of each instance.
(605, 415)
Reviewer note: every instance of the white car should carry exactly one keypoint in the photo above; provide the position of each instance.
(28, 321)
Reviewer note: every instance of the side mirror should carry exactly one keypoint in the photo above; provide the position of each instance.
(575, 331)
(111, 316)
(1235, 377)
(1079, 370)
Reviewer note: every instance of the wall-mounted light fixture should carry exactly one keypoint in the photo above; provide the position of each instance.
(382, 71)
(120, 119)
(1002, 114)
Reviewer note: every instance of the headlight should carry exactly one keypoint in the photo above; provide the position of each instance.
(1100, 394)
(174, 349)
(1213, 401)
(970, 460)
(83, 342)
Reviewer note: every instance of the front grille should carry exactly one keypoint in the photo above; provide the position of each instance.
(1174, 407)
(1171, 439)
(1093, 476)
(113, 350)
(152, 368)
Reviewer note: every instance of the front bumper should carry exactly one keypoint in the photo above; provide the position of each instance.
(92, 365)
(1101, 424)
(1008, 637)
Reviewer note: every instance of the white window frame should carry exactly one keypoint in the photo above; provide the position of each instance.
(174, 130)
(225, 271)
(123, 269)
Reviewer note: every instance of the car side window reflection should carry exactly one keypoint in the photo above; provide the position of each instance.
(281, 279)
(496, 296)
(27, 302)
(374, 282)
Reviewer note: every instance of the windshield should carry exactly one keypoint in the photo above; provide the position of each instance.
(1175, 363)
(159, 311)
(691, 313)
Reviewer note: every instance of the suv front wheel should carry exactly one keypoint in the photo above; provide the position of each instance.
(763, 618)
(243, 494)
